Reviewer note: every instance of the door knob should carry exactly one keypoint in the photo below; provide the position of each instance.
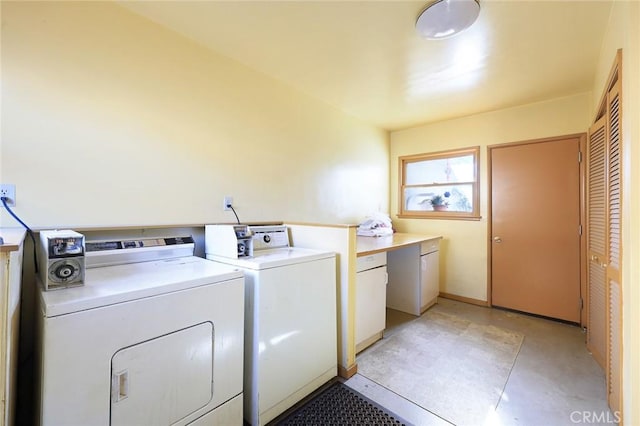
(497, 239)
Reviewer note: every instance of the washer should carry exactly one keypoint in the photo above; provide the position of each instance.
(153, 342)
(290, 316)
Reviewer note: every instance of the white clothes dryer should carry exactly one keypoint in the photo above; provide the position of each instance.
(155, 342)
(290, 316)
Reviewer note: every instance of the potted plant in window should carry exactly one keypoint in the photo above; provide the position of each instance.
(439, 203)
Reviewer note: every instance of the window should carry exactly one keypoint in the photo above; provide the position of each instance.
(440, 185)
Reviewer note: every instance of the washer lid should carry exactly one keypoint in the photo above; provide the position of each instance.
(122, 283)
(273, 258)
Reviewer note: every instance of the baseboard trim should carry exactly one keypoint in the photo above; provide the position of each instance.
(464, 299)
(347, 373)
(368, 342)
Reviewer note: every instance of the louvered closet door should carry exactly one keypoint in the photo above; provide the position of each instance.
(614, 291)
(596, 241)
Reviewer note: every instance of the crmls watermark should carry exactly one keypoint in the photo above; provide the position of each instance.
(600, 417)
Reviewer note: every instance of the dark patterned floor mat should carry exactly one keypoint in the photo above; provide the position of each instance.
(338, 404)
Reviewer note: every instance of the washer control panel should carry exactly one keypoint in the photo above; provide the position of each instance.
(270, 236)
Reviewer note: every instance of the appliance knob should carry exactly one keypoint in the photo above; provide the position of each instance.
(64, 271)
(266, 238)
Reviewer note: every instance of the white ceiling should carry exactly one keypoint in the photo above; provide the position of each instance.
(366, 59)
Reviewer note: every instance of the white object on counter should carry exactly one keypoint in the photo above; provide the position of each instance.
(376, 225)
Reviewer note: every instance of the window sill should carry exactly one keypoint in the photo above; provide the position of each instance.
(438, 215)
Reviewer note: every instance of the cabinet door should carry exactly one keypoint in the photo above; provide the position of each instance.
(4, 266)
(371, 294)
(10, 287)
(429, 277)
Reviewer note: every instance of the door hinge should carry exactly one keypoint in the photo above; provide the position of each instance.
(581, 303)
(579, 229)
(579, 156)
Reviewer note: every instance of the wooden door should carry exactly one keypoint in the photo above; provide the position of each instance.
(604, 238)
(614, 249)
(596, 241)
(535, 227)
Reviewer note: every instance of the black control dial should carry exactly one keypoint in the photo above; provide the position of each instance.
(64, 271)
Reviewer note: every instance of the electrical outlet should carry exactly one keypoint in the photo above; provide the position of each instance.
(9, 191)
(227, 202)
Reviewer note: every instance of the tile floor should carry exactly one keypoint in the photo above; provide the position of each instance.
(554, 380)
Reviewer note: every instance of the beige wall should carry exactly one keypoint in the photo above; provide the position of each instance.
(464, 248)
(109, 119)
(623, 33)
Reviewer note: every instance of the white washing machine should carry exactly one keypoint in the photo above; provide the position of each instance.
(158, 342)
(290, 315)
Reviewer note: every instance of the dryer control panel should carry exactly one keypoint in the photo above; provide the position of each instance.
(118, 252)
(61, 259)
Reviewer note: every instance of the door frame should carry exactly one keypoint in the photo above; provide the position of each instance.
(583, 241)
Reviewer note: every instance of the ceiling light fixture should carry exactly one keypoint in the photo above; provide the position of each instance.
(446, 18)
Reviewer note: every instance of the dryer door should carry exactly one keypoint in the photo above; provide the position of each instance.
(163, 380)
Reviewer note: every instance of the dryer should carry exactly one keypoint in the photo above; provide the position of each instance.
(158, 341)
(290, 315)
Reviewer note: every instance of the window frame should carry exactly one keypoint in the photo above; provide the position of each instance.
(428, 214)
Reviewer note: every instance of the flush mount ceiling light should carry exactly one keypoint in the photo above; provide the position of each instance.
(446, 18)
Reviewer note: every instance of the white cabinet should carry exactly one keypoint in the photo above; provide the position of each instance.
(413, 277)
(10, 286)
(371, 291)
(429, 274)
